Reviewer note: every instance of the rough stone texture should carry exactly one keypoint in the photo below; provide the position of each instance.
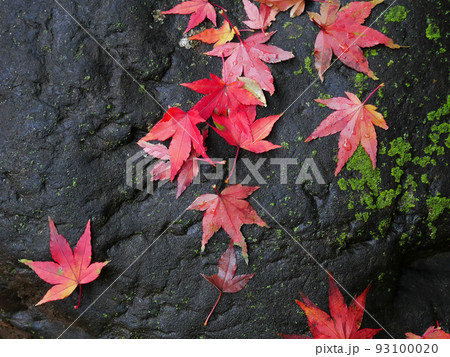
(71, 117)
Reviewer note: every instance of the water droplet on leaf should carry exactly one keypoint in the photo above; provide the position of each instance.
(347, 145)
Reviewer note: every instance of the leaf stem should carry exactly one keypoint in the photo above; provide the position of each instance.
(79, 299)
(227, 19)
(214, 307)
(381, 85)
(234, 165)
(208, 124)
(215, 189)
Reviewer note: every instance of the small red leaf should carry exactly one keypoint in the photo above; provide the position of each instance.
(259, 19)
(355, 121)
(247, 57)
(344, 322)
(225, 280)
(71, 268)
(222, 96)
(200, 9)
(343, 34)
(230, 211)
(231, 129)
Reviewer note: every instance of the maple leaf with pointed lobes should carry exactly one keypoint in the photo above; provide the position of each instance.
(344, 323)
(221, 96)
(71, 268)
(226, 281)
(217, 36)
(343, 34)
(200, 9)
(259, 19)
(247, 56)
(297, 6)
(259, 130)
(230, 211)
(355, 121)
(431, 333)
(181, 127)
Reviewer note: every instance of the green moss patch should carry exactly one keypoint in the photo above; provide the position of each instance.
(436, 206)
(433, 32)
(396, 14)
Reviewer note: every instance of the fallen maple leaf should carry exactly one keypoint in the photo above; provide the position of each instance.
(355, 121)
(259, 130)
(343, 34)
(70, 269)
(259, 19)
(181, 127)
(200, 9)
(344, 323)
(225, 281)
(217, 36)
(230, 211)
(431, 333)
(247, 56)
(297, 6)
(222, 96)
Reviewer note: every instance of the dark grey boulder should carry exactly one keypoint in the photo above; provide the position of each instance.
(70, 118)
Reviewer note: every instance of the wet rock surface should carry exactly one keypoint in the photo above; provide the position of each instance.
(70, 120)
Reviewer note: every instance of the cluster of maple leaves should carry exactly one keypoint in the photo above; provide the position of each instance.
(231, 102)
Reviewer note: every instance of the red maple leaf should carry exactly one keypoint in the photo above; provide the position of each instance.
(344, 323)
(230, 211)
(431, 333)
(247, 56)
(297, 6)
(222, 96)
(259, 19)
(343, 34)
(71, 268)
(200, 9)
(230, 130)
(355, 121)
(217, 36)
(181, 127)
(225, 281)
